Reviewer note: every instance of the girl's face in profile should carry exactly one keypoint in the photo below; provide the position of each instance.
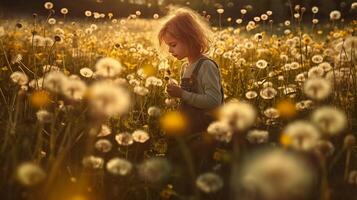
(177, 48)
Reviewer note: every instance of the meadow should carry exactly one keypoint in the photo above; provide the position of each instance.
(84, 112)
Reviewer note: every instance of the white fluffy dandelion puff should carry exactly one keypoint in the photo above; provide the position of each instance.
(154, 111)
(30, 174)
(104, 131)
(330, 120)
(43, 116)
(141, 91)
(335, 15)
(258, 136)
(261, 64)
(107, 99)
(239, 115)
(93, 162)
(317, 88)
(19, 77)
(268, 93)
(140, 136)
(302, 135)
(220, 131)
(74, 89)
(154, 169)
(54, 80)
(124, 139)
(119, 166)
(86, 72)
(103, 145)
(108, 67)
(209, 182)
(276, 174)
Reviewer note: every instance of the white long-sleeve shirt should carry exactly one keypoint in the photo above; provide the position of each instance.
(208, 85)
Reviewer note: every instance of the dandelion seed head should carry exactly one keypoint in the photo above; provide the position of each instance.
(220, 10)
(74, 89)
(86, 72)
(30, 174)
(93, 162)
(220, 131)
(330, 120)
(251, 94)
(316, 72)
(64, 11)
(103, 145)
(52, 21)
(315, 9)
(325, 66)
(119, 166)
(124, 139)
(19, 78)
(48, 5)
(154, 170)
(258, 136)
(170, 102)
(140, 136)
(317, 59)
(154, 111)
(43, 116)
(108, 67)
(272, 113)
(209, 182)
(303, 105)
(107, 99)
(335, 15)
(54, 81)
(274, 174)
(261, 64)
(317, 88)
(268, 93)
(139, 90)
(104, 131)
(354, 6)
(303, 135)
(239, 115)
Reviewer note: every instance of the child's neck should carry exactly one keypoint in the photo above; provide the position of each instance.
(192, 59)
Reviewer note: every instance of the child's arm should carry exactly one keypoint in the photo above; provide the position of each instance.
(209, 78)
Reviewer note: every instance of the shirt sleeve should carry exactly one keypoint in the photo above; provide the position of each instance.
(209, 76)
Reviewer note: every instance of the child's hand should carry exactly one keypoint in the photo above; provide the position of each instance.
(174, 90)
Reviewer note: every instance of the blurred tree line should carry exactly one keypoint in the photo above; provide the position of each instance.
(122, 8)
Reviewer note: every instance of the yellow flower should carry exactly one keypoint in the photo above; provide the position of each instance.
(40, 99)
(306, 40)
(286, 108)
(285, 140)
(173, 123)
(149, 70)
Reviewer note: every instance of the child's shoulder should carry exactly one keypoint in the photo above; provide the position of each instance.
(209, 62)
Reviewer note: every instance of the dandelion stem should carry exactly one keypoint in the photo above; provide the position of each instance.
(5, 54)
(347, 163)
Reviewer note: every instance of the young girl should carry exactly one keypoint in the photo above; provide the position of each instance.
(200, 89)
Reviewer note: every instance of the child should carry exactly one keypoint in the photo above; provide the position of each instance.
(200, 89)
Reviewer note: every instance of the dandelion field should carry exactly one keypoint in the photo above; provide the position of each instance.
(84, 112)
